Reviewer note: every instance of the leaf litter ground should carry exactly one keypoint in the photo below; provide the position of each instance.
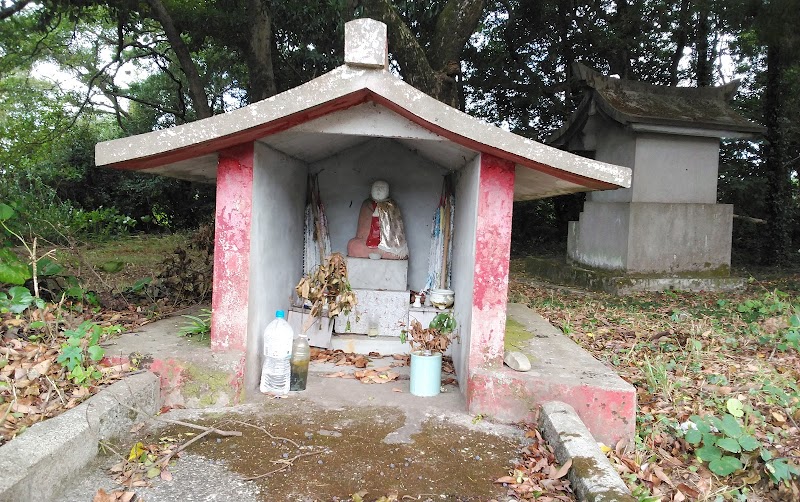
(690, 354)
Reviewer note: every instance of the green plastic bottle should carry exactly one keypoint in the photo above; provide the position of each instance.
(301, 355)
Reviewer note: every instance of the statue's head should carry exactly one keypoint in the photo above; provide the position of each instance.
(380, 191)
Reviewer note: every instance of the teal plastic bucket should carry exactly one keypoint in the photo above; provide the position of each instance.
(426, 374)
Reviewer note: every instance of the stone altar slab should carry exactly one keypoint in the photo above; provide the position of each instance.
(386, 310)
(384, 275)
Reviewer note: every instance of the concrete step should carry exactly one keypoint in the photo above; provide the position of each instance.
(561, 371)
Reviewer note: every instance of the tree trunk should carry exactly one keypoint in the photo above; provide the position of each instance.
(620, 57)
(681, 36)
(259, 58)
(704, 66)
(196, 90)
(565, 8)
(779, 197)
(435, 71)
(6, 12)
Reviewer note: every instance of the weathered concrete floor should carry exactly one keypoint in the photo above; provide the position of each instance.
(374, 437)
(369, 437)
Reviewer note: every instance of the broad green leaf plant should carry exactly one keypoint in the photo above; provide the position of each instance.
(727, 446)
(81, 351)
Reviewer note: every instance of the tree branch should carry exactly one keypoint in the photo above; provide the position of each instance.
(196, 89)
(12, 9)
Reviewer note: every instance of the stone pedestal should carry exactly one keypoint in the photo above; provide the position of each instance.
(425, 314)
(385, 310)
(382, 275)
(653, 238)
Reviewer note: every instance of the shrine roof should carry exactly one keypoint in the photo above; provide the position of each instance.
(190, 150)
(658, 108)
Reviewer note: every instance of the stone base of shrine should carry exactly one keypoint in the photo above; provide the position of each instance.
(559, 271)
(561, 371)
(378, 313)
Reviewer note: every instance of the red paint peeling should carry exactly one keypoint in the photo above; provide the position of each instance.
(237, 381)
(232, 248)
(492, 250)
(509, 396)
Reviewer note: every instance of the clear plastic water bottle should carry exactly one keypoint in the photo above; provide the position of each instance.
(278, 338)
(301, 356)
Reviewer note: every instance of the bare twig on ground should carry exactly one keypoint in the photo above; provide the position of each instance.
(185, 424)
(187, 443)
(287, 463)
(10, 405)
(108, 446)
(265, 431)
(58, 391)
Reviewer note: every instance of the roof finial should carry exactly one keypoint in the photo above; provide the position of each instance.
(365, 44)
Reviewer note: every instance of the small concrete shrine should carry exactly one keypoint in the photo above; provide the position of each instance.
(368, 138)
(666, 230)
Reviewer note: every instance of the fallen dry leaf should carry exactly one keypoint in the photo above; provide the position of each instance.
(563, 470)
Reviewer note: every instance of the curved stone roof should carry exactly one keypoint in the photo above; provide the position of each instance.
(541, 170)
(643, 106)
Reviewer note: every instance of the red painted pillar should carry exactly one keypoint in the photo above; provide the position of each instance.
(492, 253)
(232, 248)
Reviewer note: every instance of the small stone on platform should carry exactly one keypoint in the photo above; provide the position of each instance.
(517, 361)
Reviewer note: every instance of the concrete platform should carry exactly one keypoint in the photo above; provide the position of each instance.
(363, 344)
(559, 271)
(194, 376)
(191, 375)
(561, 371)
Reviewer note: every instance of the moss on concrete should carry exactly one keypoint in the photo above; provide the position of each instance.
(205, 385)
(517, 337)
(586, 468)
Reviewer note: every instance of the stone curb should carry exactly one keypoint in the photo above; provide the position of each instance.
(592, 476)
(36, 464)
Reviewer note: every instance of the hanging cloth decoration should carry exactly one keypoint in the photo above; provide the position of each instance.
(439, 258)
(317, 241)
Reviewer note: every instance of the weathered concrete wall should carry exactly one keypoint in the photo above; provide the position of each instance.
(671, 168)
(600, 237)
(676, 238)
(232, 248)
(276, 249)
(666, 223)
(490, 283)
(466, 187)
(649, 238)
(613, 144)
(414, 183)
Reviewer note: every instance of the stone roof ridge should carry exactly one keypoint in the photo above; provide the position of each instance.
(594, 79)
(701, 111)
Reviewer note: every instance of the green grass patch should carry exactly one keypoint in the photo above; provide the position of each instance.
(138, 256)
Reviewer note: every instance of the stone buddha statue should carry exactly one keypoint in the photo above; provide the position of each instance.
(380, 232)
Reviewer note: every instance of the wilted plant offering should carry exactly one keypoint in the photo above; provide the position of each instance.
(435, 338)
(327, 289)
